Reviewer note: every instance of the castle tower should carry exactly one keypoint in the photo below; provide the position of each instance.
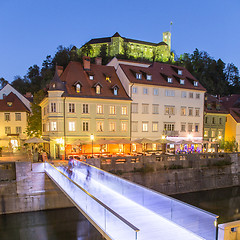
(167, 39)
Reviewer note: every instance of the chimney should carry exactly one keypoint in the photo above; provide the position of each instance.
(86, 63)
(98, 61)
(59, 70)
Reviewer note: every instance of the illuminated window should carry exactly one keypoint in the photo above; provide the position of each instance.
(112, 110)
(183, 111)
(179, 72)
(213, 133)
(195, 83)
(155, 126)
(205, 133)
(154, 146)
(108, 79)
(78, 88)
(169, 110)
(53, 126)
(91, 77)
(100, 126)
(9, 104)
(124, 126)
(144, 126)
(71, 126)
(124, 110)
(99, 109)
(149, 77)
(98, 89)
(112, 126)
(169, 127)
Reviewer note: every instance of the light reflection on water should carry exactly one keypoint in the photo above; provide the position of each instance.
(224, 202)
(59, 224)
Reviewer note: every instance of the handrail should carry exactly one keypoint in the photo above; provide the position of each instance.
(98, 201)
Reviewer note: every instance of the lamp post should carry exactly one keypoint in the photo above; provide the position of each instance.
(92, 138)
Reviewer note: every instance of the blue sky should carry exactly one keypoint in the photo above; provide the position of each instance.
(31, 30)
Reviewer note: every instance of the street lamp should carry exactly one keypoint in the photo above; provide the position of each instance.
(92, 138)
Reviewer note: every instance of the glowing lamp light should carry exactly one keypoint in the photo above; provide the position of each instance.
(92, 137)
(190, 136)
(163, 137)
(60, 140)
(219, 137)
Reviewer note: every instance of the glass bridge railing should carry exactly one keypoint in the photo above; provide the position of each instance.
(108, 222)
(196, 220)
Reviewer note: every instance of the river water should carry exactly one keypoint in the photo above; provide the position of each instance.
(223, 202)
(70, 224)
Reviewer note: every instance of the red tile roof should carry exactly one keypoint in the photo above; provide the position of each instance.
(232, 101)
(17, 104)
(235, 113)
(213, 105)
(74, 72)
(160, 72)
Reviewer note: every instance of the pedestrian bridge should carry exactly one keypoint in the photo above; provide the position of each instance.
(123, 210)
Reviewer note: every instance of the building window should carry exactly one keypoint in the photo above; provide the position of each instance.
(7, 116)
(190, 111)
(115, 91)
(53, 107)
(170, 80)
(169, 126)
(145, 91)
(198, 95)
(71, 126)
(145, 126)
(100, 126)
(7, 130)
(112, 126)
(71, 107)
(182, 81)
(19, 130)
(78, 88)
(91, 77)
(112, 110)
(196, 127)
(169, 110)
(134, 126)
(220, 120)
(197, 112)
(134, 90)
(213, 120)
(220, 132)
(138, 76)
(179, 72)
(190, 95)
(205, 133)
(17, 116)
(134, 107)
(85, 125)
(53, 126)
(190, 127)
(124, 126)
(149, 77)
(183, 127)
(183, 111)
(98, 89)
(195, 83)
(183, 94)
(99, 109)
(206, 119)
(155, 91)
(155, 126)
(155, 108)
(85, 108)
(213, 133)
(169, 93)
(145, 108)
(124, 110)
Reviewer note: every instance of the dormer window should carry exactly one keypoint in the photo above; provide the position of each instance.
(91, 77)
(138, 76)
(179, 72)
(115, 91)
(54, 85)
(149, 77)
(78, 88)
(195, 83)
(170, 80)
(108, 79)
(98, 89)
(182, 81)
(9, 104)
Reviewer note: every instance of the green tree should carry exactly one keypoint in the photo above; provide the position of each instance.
(34, 126)
(104, 54)
(3, 82)
(86, 50)
(22, 85)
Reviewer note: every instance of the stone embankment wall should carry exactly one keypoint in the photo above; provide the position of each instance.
(28, 188)
(172, 174)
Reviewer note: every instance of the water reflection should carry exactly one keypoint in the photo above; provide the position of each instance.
(224, 202)
(60, 224)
